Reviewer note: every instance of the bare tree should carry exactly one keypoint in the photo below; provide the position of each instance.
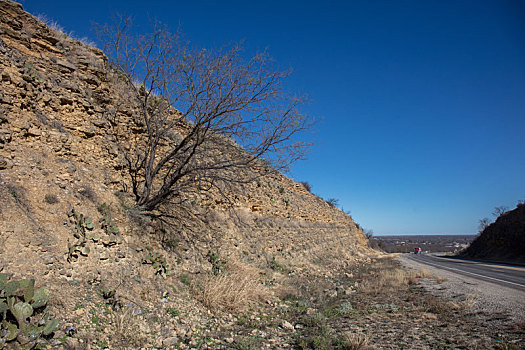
(203, 119)
(333, 202)
(498, 211)
(483, 224)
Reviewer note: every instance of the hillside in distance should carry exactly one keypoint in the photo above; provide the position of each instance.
(503, 240)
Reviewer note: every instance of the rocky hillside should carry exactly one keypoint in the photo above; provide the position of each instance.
(59, 159)
(503, 240)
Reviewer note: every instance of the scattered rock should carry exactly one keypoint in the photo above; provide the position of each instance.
(171, 341)
(287, 325)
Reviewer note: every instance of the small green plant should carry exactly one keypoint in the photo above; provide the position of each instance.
(185, 279)
(158, 261)
(102, 344)
(345, 308)
(218, 265)
(31, 72)
(274, 265)
(81, 226)
(111, 298)
(14, 192)
(172, 312)
(301, 306)
(249, 343)
(19, 305)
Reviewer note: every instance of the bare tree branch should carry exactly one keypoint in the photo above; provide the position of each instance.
(201, 119)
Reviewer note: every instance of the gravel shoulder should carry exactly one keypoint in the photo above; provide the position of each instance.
(485, 296)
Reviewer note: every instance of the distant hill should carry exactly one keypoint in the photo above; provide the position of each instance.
(428, 243)
(503, 240)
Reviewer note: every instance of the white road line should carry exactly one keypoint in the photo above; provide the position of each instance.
(471, 273)
(480, 263)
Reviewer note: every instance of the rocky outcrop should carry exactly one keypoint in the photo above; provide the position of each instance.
(59, 112)
(56, 135)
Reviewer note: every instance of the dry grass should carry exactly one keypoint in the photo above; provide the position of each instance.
(389, 276)
(235, 290)
(470, 302)
(438, 305)
(387, 279)
(121, 322)
(354, 341)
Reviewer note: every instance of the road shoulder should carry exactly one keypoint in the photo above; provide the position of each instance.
(506, 304)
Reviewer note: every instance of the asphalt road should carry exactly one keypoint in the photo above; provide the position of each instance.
(501, 274)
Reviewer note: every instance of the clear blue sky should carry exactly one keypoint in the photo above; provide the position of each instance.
(422, 102)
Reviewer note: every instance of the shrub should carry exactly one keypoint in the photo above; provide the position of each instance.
(351, 341)
(172, 312)
(88, 193)
(185, 279)
(218, 265)
(50, 199)
(306, 186)
(333, 202)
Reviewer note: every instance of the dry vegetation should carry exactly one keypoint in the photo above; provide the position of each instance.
(389, 280)
(234, 290)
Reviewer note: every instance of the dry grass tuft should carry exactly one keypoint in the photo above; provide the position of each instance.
(234, 290)
(470, 302)
(354, 341)
(438, 305)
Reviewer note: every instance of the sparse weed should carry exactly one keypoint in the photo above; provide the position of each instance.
(185, 279)
(253, 342)
(172, 312)
(50, 199)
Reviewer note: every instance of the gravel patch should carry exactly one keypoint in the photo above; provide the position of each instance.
(485, 296)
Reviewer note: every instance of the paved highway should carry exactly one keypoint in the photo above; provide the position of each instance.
(501, 274)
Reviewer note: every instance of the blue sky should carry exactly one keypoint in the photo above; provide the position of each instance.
(422, 103)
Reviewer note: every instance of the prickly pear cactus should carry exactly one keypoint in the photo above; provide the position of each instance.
(158, 261)
(23, 319)
(109, 227)
(81, 225)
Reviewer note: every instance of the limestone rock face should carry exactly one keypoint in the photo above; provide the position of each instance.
(59, 122)
(56, 103)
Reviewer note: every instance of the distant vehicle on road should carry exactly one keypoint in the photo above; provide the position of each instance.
(417, 250)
